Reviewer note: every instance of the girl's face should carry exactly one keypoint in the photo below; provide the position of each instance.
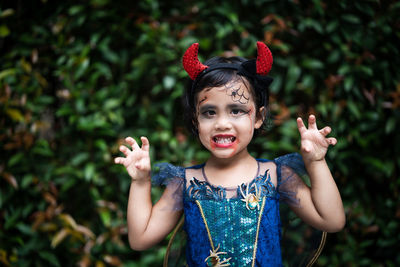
(227, 118)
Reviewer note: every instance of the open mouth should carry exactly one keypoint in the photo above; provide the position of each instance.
(224, 140)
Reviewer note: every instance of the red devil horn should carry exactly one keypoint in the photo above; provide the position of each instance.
(264, 59)
(191, 62)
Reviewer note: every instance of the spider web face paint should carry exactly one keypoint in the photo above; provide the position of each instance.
(237, 93)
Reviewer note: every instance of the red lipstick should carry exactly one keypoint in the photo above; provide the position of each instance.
(223, 141)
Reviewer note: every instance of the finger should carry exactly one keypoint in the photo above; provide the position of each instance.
(300, 125)
(332, 141)
(138, 166)
(145, 143)
(119, 160)
(132, 142)
(124, 150)
(325, 131)
(306, 148)
(312, 122)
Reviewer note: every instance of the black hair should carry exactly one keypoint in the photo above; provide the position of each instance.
(217, 78)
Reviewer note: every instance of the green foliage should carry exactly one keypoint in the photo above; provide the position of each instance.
(76, 77)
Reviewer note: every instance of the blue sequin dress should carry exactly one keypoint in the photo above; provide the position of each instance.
(236, 226)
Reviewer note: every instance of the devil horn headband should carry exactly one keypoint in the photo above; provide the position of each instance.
(264, 59)
(194, 67)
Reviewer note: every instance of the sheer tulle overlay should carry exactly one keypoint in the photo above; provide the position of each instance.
(290, 168)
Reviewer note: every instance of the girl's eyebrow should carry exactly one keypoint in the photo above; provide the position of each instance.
(207, 106)
(233, 106)
(230, 106)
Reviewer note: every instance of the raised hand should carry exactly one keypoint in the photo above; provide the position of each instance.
(137, 160)
(314, 143)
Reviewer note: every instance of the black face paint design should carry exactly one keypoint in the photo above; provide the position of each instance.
(237, 94)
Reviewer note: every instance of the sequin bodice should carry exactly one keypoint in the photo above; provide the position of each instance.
(230, 226)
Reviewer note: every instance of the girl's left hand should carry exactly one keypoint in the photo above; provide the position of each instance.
(314, 143)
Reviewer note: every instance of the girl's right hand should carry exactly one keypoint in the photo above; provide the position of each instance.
(137, 160)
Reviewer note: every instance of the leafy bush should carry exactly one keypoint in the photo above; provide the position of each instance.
(77, 77)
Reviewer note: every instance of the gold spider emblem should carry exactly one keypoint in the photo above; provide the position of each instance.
(252, 200)
(214, 261)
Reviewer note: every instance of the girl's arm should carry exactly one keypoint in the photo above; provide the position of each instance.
(147, 224)
(321, 205)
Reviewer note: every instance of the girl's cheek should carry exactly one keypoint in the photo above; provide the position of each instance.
(250, 114)
(251, 118)
(204, 138)
(212, 145)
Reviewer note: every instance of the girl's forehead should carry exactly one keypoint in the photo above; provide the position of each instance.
(235, 90)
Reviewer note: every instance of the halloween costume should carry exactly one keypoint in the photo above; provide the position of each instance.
(233, 226)
(237, 226)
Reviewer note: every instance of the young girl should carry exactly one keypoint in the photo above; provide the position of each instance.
(231, 202)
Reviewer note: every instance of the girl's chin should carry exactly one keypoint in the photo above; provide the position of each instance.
(225, 153)
(221, 152)
(222, 156)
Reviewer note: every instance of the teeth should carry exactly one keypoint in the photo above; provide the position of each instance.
(224, 140)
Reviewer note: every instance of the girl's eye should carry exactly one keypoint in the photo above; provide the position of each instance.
(208, 113)
(238, 111)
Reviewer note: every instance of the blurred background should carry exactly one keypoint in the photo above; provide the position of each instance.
(76, 77)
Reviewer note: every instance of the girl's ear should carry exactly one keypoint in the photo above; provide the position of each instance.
(260, 117)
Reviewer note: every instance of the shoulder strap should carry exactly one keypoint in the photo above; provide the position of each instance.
(178, 229)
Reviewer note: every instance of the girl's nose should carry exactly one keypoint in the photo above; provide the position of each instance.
(223, 123)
